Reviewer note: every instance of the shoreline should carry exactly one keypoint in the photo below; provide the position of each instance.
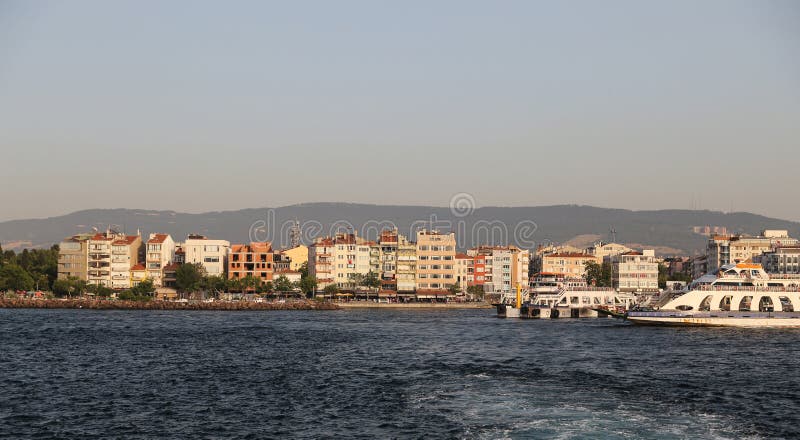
(92, 304)
(374, 305)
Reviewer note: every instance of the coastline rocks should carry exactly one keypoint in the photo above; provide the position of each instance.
(95, 304)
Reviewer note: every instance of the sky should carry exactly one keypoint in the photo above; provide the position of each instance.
(204, 106)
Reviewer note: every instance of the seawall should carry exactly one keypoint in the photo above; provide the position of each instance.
(161, 305)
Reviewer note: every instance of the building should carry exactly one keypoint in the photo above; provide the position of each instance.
(170, 277)
(727, 249)
(99, 265)
(251, 260)
(699, 266)
(781, 260)
(138, 274)
(297, 256)
(320, 261)
(406, 268)
(602, 250)
(503, 268)
(73, 257)
(635, 271)
(464, 271)
(436, 253)
(125, 252)
(339, 260)
(159, 253)
(292, 275)
(210, 253)
(572, 264)
(537, 261)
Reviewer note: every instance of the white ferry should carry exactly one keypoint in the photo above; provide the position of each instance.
(738, 295)
(558, 296)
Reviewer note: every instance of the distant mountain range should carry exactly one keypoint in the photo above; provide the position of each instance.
(668, 231)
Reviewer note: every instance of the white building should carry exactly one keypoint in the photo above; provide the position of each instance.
(635, 271)
(124, 256)
(159, 253)
(99, 265)
(212, 254)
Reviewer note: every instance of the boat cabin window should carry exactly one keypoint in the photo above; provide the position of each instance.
(574, 300)
(765, 305)
(775, 285)
(705, 305)
(725, 303)
(744, 304)
(786, 304)
(684, 307)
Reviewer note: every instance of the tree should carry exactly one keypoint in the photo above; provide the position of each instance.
(214, 283)
(267, 287)
(308, 285)
(99, 290)
(188, 277)
(331, 289)
(62, 287)
(598, 274)
(250, 283)
(476, 291)
(304, 270)
(282, 284)
(371, 281)
(14, 277)
(144, 288)
(454, 289)
(662, 276)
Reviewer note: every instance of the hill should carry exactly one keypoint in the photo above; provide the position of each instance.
(667, 230)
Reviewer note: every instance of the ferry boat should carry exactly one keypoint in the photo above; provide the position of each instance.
(737, 295)
(558, 296)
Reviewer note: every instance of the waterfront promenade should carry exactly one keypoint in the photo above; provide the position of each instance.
(162, 305)
(414, 305)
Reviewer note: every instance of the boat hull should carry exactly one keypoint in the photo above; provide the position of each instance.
(718, 321)
(507, 311)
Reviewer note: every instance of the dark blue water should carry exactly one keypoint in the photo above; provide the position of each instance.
(377, 374)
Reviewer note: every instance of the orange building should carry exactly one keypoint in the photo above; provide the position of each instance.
(254, 259)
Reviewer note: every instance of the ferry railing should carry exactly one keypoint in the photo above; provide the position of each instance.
(708, 288)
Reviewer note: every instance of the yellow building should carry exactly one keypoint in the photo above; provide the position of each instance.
(298, 255)
(436, 254)
(572, 264)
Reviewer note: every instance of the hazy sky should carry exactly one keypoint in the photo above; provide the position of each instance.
(197, 106)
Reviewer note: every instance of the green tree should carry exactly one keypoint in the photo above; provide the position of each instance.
(454, 289)
(268, 288)
(476, 291)
(214, 283)
(144, 288)
(304, 270)
(308, 285)
(371, 281)
(331, 289)
(598, 274)
(662, 276)
(282, 284)
(14, 277)
(62, 288)
(188, 277)
(249, 283)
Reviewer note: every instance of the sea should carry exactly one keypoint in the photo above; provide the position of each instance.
(89, 374)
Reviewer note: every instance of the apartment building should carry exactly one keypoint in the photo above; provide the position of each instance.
(297, 256)
(602, 250)
(125, 252)
(502, 267)
(537, 261)
(320, 261)
(406, 268)
(99, 265)
(138, 274)
(436, 253)
(159, 253)
(571, 264)
(254, 260)
(727, 249)
(73, 257)
(781, 260)
(635, 271)
(338, 259)
(210, 253)
(464, 271)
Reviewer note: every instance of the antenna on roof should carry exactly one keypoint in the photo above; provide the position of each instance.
(612, 234)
